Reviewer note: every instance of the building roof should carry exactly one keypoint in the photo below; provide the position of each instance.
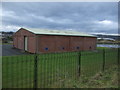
(58, 32)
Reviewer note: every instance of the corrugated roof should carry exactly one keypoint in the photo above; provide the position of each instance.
(57, 32)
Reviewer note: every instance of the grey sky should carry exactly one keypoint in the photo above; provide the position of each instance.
(92, 17)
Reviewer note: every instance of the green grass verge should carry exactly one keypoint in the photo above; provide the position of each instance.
(18, 71)
(106, 79)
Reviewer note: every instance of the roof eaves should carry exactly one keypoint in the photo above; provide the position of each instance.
(61, 34)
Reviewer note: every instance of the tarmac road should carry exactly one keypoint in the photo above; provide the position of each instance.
(8, 50)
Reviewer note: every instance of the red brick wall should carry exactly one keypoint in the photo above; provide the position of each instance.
(65, 43)
(15, 44)
(62, 43)
(18, 40)
(76, 43)
(89, 43)
(46, 42)
(53, 43)
(20, 43)
(32, 44)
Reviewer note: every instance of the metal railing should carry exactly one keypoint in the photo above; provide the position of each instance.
(52, 69)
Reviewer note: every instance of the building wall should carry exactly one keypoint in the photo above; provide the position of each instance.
(18, 40)
(76, 43)
(47, 43)
(89, 43)
(32, 44)
(15, 44)
(62, 43)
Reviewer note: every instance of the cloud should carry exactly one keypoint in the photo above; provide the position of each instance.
(105, 22)
(106, 26)
(81, 16)
(9, 28)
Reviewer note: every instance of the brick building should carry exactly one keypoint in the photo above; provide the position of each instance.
(44, 41)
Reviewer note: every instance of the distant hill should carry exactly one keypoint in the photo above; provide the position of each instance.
(115, 37)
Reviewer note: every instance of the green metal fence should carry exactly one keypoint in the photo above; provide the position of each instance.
(52, 69)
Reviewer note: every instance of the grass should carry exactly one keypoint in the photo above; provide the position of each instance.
(106, 79)
(53, 68)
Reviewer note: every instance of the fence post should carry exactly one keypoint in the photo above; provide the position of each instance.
(118, 66)
(35, 70)
(79, 64)
(103, 68)
(118, 56)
